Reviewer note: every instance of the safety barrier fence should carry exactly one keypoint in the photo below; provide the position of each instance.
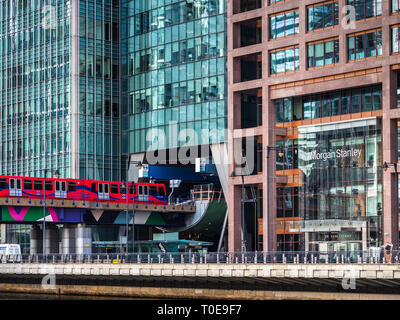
(86, 197)
(309, 257)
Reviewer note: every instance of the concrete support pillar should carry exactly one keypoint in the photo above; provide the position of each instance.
(3, 233)
(52, 239)
(83, 239)
(269, 205)
(364, 234)
(68, 240)
(306, 241)
(36, 240)
(389, 152)
(234, 218)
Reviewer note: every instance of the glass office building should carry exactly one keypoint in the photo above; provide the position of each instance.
(99, 89)
(340, 197)
(174, 68)
(60, 88)
(35, 87)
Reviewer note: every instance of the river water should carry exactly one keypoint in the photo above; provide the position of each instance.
(32, 296)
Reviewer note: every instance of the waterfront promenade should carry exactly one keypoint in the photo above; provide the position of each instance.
(230, 279)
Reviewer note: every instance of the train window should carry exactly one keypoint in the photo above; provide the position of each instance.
(122, 189)
(57, 185)
(106, 188)
(72, 186)
(12, 183)
(63, 186)
(161, 191)
(28, 184)
(49, 185)
(93, 187)
(3, 183)
(37, 185)
(140, 189)
(153, 191)
(100, 188)
(19, 184)
(131, 189)
(114, 188)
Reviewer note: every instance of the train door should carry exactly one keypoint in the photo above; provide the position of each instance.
(15, 187)
(143, 193)
(60, 189)
(103, 191)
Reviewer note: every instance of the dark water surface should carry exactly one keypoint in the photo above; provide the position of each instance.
(33, 296)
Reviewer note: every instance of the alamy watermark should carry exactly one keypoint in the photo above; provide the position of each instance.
(49, 282)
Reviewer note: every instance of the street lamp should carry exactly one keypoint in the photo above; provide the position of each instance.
(57, 174)
(386, 166)
(281, 153)
(139, 166)
(242, 240)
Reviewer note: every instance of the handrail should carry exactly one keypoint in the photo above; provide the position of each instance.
(372, 256)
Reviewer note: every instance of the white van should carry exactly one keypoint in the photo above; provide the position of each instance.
(10, 253)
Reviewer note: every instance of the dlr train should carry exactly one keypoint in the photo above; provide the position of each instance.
(88, 190)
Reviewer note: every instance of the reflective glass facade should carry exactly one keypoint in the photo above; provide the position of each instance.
(323, 15)
(329, 104)
(99, 89)
(34, 87)
(341, 189)
(174, 69)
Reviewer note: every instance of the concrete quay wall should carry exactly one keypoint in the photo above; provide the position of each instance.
(338, 271)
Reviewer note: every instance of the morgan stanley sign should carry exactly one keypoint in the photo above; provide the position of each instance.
(339, 153)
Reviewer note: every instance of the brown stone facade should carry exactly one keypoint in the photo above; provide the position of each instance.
(344, 74)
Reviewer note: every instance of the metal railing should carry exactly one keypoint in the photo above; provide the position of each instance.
(309, 257)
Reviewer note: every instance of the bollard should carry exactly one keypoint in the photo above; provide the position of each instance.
(148, 258)
(312, 258)
(182, 260)
(297, 258)
(170, 258)
(151, 260)
(255, 258)
(236, 259)
(217, 257)
(283, 258)
(264, 258)
(205, 259)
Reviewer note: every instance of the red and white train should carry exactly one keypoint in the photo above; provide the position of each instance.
(88, 190)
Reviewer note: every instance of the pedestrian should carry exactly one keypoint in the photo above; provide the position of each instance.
(388, 252)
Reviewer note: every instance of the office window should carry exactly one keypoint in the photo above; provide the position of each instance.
(364, 45)
(329, 104)
(395, 6)
(323, 53)
(284, 60)
(366, 8)
(284, 24)
(395, 39)
(322, 15)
